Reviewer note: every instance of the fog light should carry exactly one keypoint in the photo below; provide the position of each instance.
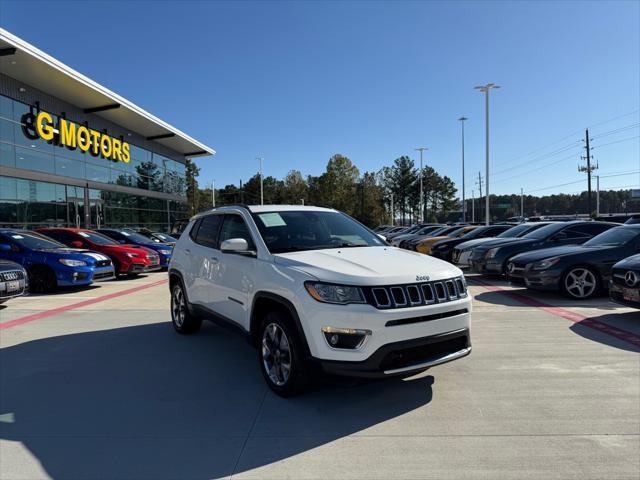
(345, 338)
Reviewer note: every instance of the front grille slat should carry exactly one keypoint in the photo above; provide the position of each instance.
(11, 275)
(411, 295)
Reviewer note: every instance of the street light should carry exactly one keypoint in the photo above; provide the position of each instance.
(421, 149)
(464, 204)
(485, 89)
(261, 182)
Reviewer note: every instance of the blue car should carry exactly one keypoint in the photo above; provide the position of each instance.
(126, 236)
(50, 264)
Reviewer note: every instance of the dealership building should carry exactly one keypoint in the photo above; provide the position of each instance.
(73, 153)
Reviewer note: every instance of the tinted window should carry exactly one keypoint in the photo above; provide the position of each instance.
(586, 230)
(208, 229)
(234, 227)
(615, 236)
(33, 240)
(97, 238)
(546, 231)
(61, 236)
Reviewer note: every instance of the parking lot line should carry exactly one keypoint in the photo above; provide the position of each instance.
(74, 306)
(574, 317)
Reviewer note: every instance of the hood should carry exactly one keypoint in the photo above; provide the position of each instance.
(367, 265)
(562, 251)
(157, 247)
(632, 262)
(475, 243)
(123, 247)
(83, 254)
(499, 242)
(432, 240)
(9, 265)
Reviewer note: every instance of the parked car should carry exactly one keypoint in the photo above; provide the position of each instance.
(129, 237)
(14, 281)
(444, 248)
(426, 245)
(178, 227)
(397, 241)
(127, 259)
(491, 259)
(389, 234)
(624, 286)
(578, 271)
(311, 287)
(411, 244)
(462, 252)
(50, 264)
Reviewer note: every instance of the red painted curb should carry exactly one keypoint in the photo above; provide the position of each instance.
(73, 306)
(574, 317)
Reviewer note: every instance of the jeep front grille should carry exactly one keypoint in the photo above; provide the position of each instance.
(416, 294)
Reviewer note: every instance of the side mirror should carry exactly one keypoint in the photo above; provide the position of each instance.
(236, 245)
(77, 244)
(5, 247)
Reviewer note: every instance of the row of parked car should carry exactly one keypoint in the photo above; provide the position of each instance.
(578, 258)
(43, 259)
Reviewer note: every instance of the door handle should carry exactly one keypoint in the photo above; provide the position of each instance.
(215, 260)
(187, 251)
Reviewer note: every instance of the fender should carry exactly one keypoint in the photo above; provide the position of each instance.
(287, 305)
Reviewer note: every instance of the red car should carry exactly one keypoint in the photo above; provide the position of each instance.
(127, 259)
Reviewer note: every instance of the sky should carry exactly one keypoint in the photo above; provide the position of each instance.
(296, 82)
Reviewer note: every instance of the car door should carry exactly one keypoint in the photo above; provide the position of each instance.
(203, 259)
(236, 274)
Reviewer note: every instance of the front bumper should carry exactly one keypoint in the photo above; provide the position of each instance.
(616, 295)
(404, 357)
(485, 267)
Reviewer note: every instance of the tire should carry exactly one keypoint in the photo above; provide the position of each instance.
(183, 321)
(41, 279)
(580, 283)
(280, 354)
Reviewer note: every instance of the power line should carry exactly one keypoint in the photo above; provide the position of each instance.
(580, 181)
(617, 141)
(617, 130)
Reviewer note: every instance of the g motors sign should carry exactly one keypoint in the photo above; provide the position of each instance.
(72, 135)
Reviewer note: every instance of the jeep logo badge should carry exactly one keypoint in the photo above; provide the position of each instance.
(630, 278)
(422, 278)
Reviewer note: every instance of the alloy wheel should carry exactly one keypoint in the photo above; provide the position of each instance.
(276, 354)
(178, 306)
(580, 283)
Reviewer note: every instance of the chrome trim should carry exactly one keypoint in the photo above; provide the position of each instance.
(456, 294)
(444, 291)
(347, 331)
(414, 287)
(373, 291)
(403, 296)
(433, 294)
(447, 358)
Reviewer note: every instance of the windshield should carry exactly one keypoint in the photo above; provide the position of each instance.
(34, 241)
(614, 237)
(97, 238)
(546, 231)
(134, 237)
(426, 230)
(457, 232)
(515, 231)
(475, 232)
(292, 231)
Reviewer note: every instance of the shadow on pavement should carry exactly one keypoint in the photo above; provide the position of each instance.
(629, 321)
(510, 298)
(143, 402)
(67, 290)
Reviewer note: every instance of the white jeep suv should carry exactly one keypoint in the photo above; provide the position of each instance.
(314, 290)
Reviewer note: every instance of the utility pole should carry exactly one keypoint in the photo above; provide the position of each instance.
(261, 183)
(479, 184)
(421, 149)
(473, 207)
(485, 89)
(213, 194)
(588, 169)
(393, 219)
(597, 195)
(464, 203)
(522, 204)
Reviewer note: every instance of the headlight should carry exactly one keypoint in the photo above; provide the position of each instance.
(132, 255)
(491, 253)
(340, 294)
(544, 264)
(72, 263)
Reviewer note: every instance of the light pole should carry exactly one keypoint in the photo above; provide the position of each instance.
(213, 194)
(485, 89)
(421, 149)
(261, 183)
(473, 207)
(464, 204)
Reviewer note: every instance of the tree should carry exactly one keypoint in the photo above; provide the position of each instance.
(191, 173)
(337, 185)
(295, 188)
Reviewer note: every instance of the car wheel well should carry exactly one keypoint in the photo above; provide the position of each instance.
(42, 269)
(264, 303)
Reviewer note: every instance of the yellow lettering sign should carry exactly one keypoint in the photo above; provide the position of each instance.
(43, 126)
